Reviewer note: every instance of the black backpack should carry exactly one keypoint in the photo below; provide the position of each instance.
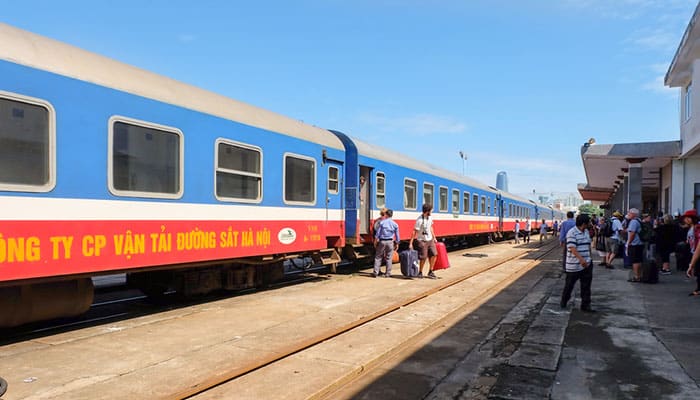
(646, 232)
(607, 229)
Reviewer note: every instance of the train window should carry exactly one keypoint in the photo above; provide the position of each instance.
(443, 198)
(428, 193)
(455, 201)
(483, 204)
(409, 194)
(145, 159)
(27, 149)
(475, 203)
(465, 202)
(333, 180)
(488, 206)
(238, 172)
(299, 179)
(381, 190)
(496, 211)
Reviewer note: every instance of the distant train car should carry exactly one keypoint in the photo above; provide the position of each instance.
(461, 206)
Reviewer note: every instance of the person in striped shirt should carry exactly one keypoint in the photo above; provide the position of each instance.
(579, 265)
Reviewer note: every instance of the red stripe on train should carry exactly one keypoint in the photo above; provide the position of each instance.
(34, 249)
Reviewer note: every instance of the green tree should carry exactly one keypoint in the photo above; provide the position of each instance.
(589, 209)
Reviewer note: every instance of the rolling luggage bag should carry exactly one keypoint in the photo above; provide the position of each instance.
(442, 261)
(650, 271)
(409, 263)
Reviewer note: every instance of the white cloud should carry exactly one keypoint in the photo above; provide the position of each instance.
(186, 38)
(657, 39)
(414, 125)
(657, 86)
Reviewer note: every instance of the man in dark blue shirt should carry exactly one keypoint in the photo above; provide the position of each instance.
(386, 241)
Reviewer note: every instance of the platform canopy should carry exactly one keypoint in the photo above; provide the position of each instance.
(606, 164)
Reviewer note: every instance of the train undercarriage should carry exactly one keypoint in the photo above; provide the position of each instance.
(32, 302)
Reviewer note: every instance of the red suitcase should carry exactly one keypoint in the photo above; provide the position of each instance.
(442, 261)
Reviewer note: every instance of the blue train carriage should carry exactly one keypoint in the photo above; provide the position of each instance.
(462, 208)
(108, 168)
(516, 208)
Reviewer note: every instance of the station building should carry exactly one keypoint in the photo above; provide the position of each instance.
(654, 176)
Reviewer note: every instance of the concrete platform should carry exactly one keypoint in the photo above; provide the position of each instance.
(641, 344)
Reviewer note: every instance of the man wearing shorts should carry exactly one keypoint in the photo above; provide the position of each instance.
(424, 232)
(612, 243)
(634, 247)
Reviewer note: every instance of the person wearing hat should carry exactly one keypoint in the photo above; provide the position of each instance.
(613, 242)
(691, 218)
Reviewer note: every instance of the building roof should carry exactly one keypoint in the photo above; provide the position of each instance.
(605, 165)
(679, 72)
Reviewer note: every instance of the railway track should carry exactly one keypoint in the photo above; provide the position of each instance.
(116, 302)
(214, 387)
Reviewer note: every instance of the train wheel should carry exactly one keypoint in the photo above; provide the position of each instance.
(3, 386)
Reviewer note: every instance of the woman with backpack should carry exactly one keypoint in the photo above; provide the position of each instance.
(665, 242)
(691, 218)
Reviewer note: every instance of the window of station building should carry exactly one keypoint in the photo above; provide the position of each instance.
(455, 201)
(299, 179)
(381, 190)
(443, 198)
(27, 149)
(238, 172)
(475, 203)
(688, 102)
(465, 202)
(428, 193)
(145, 159)
(409, 194)
(333, 180)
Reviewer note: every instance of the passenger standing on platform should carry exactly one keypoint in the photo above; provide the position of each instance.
(382, 213)
(665, 242)
(691, 219)
(563, 230)
(612, 243)
(528, 230)
(386, 241)
(555, 228)
(543, 231)
(517, 232)
(425, 233)
(634, 248)
(579, 265)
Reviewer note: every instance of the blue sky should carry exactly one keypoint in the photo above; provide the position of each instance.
(518, 85)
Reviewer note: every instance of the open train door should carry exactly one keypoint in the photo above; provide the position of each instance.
(365, 194)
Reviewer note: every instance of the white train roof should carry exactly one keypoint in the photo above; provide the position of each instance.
(391, 156)
(40, 52)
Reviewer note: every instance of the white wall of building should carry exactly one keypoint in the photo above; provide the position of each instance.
(685, 174)
(690, 112)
